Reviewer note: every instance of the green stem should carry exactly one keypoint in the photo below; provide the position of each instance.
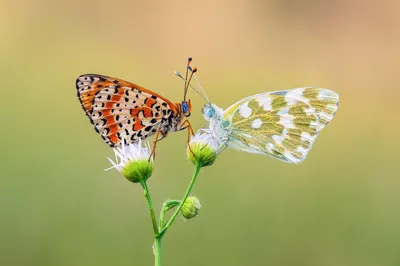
(149, 202)
(177, 211)
(157, 251)
(168, 205)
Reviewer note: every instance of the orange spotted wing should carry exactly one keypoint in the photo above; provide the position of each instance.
(122, 112)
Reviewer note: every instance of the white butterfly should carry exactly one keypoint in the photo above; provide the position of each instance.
(280, 124)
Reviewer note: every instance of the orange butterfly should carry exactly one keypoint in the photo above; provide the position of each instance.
(123, 112)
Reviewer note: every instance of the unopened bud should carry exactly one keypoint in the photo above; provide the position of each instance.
(191, 207)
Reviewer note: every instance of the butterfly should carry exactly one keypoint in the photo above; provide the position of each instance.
(281, 124)
(123, 112)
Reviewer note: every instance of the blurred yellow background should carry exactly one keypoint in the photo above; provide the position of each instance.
(340, 207)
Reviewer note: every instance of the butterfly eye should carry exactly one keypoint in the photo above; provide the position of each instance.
(185, 107)
(210, 112)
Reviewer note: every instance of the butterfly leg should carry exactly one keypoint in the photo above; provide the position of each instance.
(189, 127)
(204, 130)
(190, 133)
(157, 139)
(208, 141)
(221, 147)
(225, 145)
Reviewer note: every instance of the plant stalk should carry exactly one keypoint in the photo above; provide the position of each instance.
(177, 211)
(157, 251)
(152, 213)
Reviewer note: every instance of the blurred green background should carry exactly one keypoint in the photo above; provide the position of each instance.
(340, 207)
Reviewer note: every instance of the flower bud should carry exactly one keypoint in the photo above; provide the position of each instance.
(137, 171)
(133, 162)
(191, 207)
(202, 149)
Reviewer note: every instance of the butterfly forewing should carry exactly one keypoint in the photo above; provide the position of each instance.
(282, 124)
(122, 112)
(324, 101)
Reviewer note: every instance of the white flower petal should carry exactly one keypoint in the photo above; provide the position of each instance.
(204, 138)
(130, 152)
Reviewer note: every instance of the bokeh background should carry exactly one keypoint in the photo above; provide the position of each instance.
(340, 207)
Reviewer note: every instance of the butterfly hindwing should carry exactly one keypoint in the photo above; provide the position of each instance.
(282, 124)
(121, 111)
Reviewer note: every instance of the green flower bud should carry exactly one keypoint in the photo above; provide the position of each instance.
(202, 149)
(191, 207)
(133, 162)
(137, 171)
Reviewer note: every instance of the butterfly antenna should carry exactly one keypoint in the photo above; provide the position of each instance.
(186, 76)
(193, 88)
(201, 87)
(192, 71)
